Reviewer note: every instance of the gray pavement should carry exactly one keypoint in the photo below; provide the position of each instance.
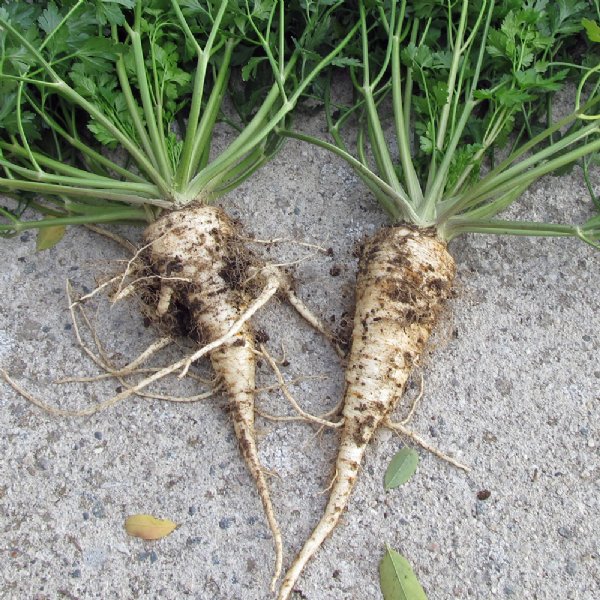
(512, 387)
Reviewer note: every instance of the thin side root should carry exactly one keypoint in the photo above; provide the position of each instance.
(415, 402)
(174, 399)
(129, 268)
(184, 363)
(335, 410)
(132, 287)
(277, 539)
(129, 369)
(286, 392)
(95, 291)
(119, 239)
(268, 292)
(270, 289)
(102, 360)
(15, 386)
(331, 483)
(279, 418)
(133, 368)
(296, 380)
(74, 305)
(286, 241)
(96, 408)
(400, 429)
(314, 321)
(53, 410)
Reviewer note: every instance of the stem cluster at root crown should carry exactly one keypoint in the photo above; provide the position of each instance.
(153, 85)
(455, 100)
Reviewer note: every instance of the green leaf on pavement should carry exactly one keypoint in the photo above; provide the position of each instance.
(397, 579)
(401, 468)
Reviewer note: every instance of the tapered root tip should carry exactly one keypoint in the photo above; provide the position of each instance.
(338, 501)
(277, 541)
(245, 433)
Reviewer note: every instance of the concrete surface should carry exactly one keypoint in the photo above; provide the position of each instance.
(512, 388)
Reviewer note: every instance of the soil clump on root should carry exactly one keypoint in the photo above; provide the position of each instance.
(193, 262)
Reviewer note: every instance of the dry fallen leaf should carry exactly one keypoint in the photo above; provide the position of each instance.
(148, 527)
(48, 237)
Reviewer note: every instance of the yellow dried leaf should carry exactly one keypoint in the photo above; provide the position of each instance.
(48, 237)
(148, 527)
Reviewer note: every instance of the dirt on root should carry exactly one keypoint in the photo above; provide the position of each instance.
(237, 266)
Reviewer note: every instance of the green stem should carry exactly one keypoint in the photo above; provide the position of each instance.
(491, 209)
(32, 49)
(459, 90)
(157, 90)
(586, 177)
(281, 70)
(182, 176)
(579, 91)
(538, 139)
(203, 135)
(130, 214)
(397, 28)
(277, 67)
(44, 210)
(89, 181)
(128, 144)
(401, 200)
(186, 28)
(408, 85)
(63, 89)
(246, 164)
(232, 183)
(251, 135)
(106, 194)
(132, 109)
(410, 176)
(435, 189)
(186, 164)
(384, 200)
(378, 143)
(22, 131)
(458, 49)
(494, 180)
(488, 139)
(158, 147)
(261, 125)
(495, 187)
(83, 148)
(499, 227)
(62, 22)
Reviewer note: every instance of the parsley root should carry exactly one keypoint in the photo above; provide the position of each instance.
(199, 244)
(404, 276)
(151, 82)
(439, 88)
